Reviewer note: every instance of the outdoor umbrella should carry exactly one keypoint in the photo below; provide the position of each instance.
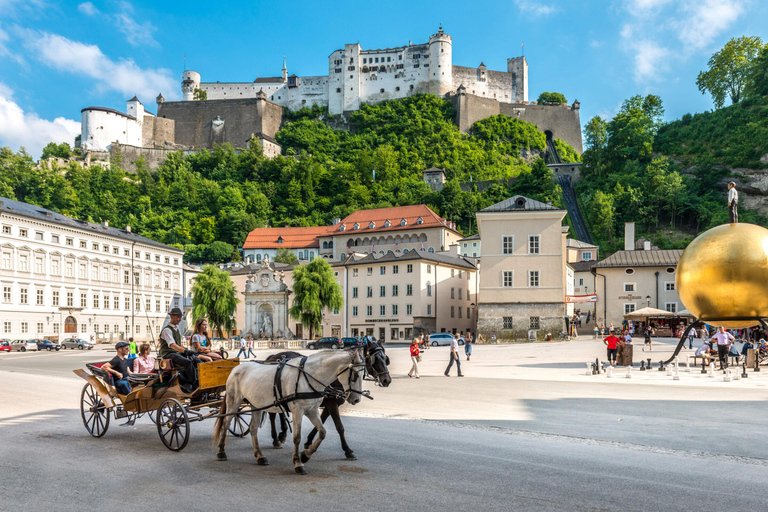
(644, 313)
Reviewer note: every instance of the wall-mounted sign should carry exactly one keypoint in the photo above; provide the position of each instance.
(572, 299)
(630, 297)
(373, 321)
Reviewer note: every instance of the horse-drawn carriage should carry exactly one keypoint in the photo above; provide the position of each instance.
(160, 396)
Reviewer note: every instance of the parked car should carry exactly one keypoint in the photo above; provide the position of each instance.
(76, 343)
(23, 345)
(5, 345)
(352, 342)
(442, 338)
(327, 342)
(47, 345)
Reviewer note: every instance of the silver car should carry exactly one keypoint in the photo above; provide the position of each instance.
(76, 343)
(442, 338)
(23, 345)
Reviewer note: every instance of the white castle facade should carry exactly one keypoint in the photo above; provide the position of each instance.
(358, 76)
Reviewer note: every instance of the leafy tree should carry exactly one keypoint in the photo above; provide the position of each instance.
(600, 214)
(218, 252)
(56, 150)
(757, 84)
(554, 98)
(214, 296)
(314, 289)
(729, 69)
(286, 256)
(200, 95)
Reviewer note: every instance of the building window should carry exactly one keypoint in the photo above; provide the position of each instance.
(6, 261)
(382, 291)
(354, 292)
(39, 265)
(395, 268)
(116, 302)
(670, 287)
(586, 256)
(39, 298)
(507, 322)
(7, 294)
(671, 307)
(69, 241)
(24, 327)
(6, 230)
(394, 310)
(354, 310)
(23, 263)
(369, 271)
(128, 304)
(83, 244)
(459, 311)
(429, 309)
(354, 272)
(7, 327)
(369, 292)
(138, 304)
(55, 267)
(453, 311)
(368, 310)
(507, 244)
(24, 296)
(56, 328)
(507, 278)
(83, 300)
(453, 273)
(429, 289)
(409, 309)
(453, 293)
(533, 278)
(408, 290)
(533, 244)
(167, 305)
(534, 322)
(70, 299)
(95, 301)
(382, 270)
(409, 268)
(629, 287)
(38, 235)
(138, 329)
(395, 290)
(429, 269)
(629, 308)
(23, 233)
(55, 297)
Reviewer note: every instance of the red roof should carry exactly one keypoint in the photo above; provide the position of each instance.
(394, 215)
(292, 237)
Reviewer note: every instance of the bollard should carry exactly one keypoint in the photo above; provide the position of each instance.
(703, 366)
(642, 365)
(727, 376)
(597, 365)
(736, 375)
(629, 372)
(688, 363)
(757, 360)
(744, 373)
(677, 373)
(609, 372)
(661, 365)
(589, 369)
(670, 367)
(649, 364)
(711, 374)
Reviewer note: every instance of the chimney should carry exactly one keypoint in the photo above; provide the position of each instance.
(453, 249)
(106, 223)
(647, 245)
(336, 220)
(629, 236)
(128, 229)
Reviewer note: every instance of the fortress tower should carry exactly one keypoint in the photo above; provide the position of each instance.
(518, 68)
(189, 82)
(440, 62)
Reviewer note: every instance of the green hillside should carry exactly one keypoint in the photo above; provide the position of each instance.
(331, 169)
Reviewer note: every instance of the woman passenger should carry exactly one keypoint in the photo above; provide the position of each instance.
(144, 363)
(200, 342)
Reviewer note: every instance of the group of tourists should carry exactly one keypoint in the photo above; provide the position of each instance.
(614, 342)
(421, 340)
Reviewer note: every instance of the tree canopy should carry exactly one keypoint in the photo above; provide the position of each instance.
(554, 98)
(214, 297)
(314, 288)
(286, 256)
(729, 69)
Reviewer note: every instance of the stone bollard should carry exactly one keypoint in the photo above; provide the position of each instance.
(688, 363)
(744, 374)
(676, 376)
(661, 365)
(703, 366)
(609, 372)
(629, 372)
(727, 377)
(711, 373)
(670, 367)
(642, 365)
(736, 375)
(589, 369)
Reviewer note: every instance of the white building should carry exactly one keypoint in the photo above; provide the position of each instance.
(470, 246)
(62, 277)
(357, 76)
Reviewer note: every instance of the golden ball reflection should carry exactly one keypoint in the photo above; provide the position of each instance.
(723, 274)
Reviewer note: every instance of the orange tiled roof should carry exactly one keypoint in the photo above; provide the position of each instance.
(292, 237)
(394, 215)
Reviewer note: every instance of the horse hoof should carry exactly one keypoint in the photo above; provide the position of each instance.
(282, 438)
(351, 456)
(277, 446)
(300, 470)
(304, 457)
(221, 456)
(262, 462)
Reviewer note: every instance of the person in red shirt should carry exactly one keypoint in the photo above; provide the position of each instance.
(415, 358)
(612, 342)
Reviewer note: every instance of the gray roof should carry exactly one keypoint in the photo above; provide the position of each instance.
(110, 110)
(413, 254)
(658, 258)
(582, 266)
(572, 242)
(38, 213)
(476, 236)
(519, 203)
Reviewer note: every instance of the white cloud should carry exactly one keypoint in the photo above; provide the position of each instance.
(535, 8)
(88, 9)
(5, 51)
(137, 34)
(596, 43)
(124, 75)
(21, 129)
(651, 61)
(703, 21)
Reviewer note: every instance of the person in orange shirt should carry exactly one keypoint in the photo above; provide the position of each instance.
(612, 342)
(415, 358)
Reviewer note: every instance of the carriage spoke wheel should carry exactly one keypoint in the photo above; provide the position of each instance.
(241, 424)
(152, 416)
(173, 424)
(94, 412)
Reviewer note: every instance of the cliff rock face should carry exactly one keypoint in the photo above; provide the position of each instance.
(752, 185)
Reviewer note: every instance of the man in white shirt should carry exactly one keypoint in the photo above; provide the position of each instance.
(733, 203)
(170, 348)
(724, 341)
(454, 357)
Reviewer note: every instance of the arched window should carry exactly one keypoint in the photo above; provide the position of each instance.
(330, 244)
(325, 245)
(258, 258)
(431, 249)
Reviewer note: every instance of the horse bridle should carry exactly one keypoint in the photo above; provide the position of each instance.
(354, 374)
(371, 355)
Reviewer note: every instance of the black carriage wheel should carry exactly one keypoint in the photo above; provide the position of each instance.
(173, 425)
(94, 412)
(241, 424)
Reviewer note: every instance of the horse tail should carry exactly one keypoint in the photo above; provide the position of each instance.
(219, 424)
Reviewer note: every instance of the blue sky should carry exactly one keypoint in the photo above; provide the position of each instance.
(57, 57)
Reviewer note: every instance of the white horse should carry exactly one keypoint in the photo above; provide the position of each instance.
(256, 383)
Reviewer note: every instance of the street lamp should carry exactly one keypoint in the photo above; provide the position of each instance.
(648, 300)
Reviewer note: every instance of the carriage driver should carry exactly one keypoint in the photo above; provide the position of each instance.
(170, 348)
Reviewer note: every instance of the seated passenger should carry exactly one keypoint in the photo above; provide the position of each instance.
(201, 343)
(120, 367)
(145, 363)
(705, 351)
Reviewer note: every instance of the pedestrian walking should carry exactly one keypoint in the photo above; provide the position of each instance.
(690, 338)
(648, 332)
(243, 350)
(132, 345)
(597, 331)
(724, 340)
(415, 357)
(612, 344)
(733, 203)
(454, 357)
(468, 345)
(426, 342)
(250, 347)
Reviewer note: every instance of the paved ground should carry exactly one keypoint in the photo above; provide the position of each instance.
(526, 429)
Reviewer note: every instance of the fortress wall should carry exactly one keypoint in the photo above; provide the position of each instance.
(129, 154)
(497, 84)
(157, 131)
(470, 109)
(242, 117)
(562, 121)
(312, 90)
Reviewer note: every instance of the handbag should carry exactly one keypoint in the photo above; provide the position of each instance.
(418, 358)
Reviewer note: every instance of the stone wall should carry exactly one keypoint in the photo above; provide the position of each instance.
(496, 84)
(195, 126)
(129, 154)
(490, 320)
(156, 131)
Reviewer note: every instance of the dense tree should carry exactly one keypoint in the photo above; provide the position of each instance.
(757, 79)
(214, 297)
(314, 289)
(286, 256)
(729, 69)
(56, 150)
(553, 98)
(200, 95)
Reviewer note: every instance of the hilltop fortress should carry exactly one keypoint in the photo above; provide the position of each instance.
(235, 112)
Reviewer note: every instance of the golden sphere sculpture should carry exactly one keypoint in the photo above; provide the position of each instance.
(722, 276)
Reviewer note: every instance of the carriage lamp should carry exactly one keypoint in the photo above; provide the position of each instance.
(648, 300)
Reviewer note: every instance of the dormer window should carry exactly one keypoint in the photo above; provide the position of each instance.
(279, 239)
(371, 225)
(403, 222)
(343, 227)
(387, 223)
(419, 221)
(356, 226)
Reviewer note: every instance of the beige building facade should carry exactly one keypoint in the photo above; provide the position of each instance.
(523, 278)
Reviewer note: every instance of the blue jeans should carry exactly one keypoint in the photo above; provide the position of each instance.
(244, 352)
(450, 363)
(122, 386)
